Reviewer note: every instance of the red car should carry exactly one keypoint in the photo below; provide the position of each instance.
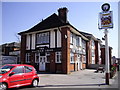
(16, 75)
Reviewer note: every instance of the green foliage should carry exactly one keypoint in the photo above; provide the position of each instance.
(113, 68)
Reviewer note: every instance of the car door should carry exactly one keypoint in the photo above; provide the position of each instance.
(17, 79)
(28, 75)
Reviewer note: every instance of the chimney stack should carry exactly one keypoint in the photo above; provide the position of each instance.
(62, 13)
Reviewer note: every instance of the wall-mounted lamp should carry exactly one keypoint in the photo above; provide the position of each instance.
(65, 36)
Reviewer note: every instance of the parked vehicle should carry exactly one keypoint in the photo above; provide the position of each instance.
(16, 75)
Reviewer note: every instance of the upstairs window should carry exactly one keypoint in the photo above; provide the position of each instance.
(77, 41)
(43, 38)
(71, 38)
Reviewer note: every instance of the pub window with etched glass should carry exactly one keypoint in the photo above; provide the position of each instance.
(27, 57)
(42, 38)
(58, 57)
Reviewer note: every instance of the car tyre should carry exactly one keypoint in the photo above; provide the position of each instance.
(4, 86)
(35, 83)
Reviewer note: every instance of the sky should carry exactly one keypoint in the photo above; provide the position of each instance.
(21, 16)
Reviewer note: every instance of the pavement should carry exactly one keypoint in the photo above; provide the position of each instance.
(80, 79)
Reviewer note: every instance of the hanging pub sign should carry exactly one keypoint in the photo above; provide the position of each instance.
(105, 20)
(105, 17)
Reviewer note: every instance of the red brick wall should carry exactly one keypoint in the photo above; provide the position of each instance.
(72, 67)
(84, 66)
(89, 57)
(48, 67)
(75, 59)
(23, 48)
(32, 58)
(96, 53)
(58, 68)
(52, 62)
(87, 54)
(103, 55)
(65, 49)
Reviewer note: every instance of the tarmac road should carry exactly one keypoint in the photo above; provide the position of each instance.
(80, 79)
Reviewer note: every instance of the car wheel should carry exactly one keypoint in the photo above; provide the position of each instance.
(35, 83)
(4, 86)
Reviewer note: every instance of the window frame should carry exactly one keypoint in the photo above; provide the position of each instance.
(58, 57)
(43, 38)
(28, 60)
(72, 58)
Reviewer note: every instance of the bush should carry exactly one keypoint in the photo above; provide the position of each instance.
(113, 71)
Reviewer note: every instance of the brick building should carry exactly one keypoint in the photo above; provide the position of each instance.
(103, 54)
(54, 45)
(93, 49)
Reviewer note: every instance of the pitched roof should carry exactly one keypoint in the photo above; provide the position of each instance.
(50, 22)
(89, 36)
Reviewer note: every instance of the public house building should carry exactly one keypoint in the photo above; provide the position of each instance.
(54, 45)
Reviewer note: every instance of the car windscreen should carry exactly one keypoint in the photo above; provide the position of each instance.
(5, 69)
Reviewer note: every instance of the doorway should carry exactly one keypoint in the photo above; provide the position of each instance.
(42, 61)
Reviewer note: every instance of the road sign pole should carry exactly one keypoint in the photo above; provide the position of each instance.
(107, 57)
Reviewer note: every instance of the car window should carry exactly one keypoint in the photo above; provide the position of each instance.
(27, 69)
(18, 70)
(5, 69)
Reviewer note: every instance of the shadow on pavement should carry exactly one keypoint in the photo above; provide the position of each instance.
(72, 85)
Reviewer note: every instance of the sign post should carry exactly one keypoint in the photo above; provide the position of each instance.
(107, 66)
(106, 22)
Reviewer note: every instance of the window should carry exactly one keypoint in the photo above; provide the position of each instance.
(37, 57)
(27, 57)
(71, 57)
(93, 52)
(58, 57)
(48, 57)
(83, 44)
(28, 69)
(77, 41)
(93, 60)
(84, 59)
(43, 38)
(71, 38)
(93, 44)
(18, 70)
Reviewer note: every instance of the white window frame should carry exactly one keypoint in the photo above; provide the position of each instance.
(58, 57)
(47, 54)
(71, 57)
(71, 38)
(42, 38)
(27, 58)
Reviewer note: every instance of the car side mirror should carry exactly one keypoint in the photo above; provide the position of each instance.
(12, 73)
